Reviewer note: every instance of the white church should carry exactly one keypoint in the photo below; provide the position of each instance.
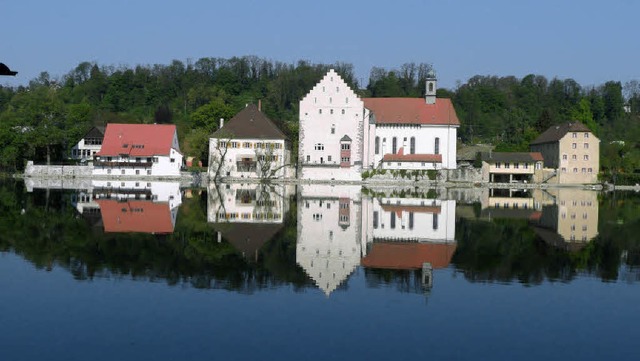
(342, 135)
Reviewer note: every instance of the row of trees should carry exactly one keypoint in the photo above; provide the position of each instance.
(43, 120)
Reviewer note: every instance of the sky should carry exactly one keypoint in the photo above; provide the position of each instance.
(589, 41)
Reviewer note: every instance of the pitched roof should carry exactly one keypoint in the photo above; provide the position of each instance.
(142, 140)
(248, 238)
(557, 132)
(408, 255)
(95, 132)
(250, 123)
(412, 111)
(136, 216)
(512, 157)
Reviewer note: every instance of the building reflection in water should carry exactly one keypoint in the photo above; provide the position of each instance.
(340, 228)
(130, 206)
(563, 217)
(247, 215)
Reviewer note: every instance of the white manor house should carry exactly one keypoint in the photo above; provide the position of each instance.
(341, 135)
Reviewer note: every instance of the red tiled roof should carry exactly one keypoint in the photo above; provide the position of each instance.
(135, 216)
(412, 111)
(537, 156)
(137, 140)
(404, 255)
(430, 158)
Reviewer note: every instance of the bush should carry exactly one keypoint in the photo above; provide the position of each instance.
(432, 173)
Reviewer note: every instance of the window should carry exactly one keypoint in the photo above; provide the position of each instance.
(574, 157)
(586, 157)
(331, 111)
(333, 129)
(507, 165)
(584, 170)
(586, 135)
(564, 170)
(345, 146)
(319, 111)
(375, 219)
(516, 165)
(435, 221)
(498, 164)
(342, 111)
(346, 100)
(319, 146)
(574, 135)
(246, 145)
(172, 160)
(412, 145)
(564, 157)
(308, 158)
(575, 170)
(148, 171)
(345, 159)
(586, 145)
(377, 145)
(410, 220)
(330, 100)
(574, 145)
(437, 146)
(394, 145)
(137, 171)
(526, 165)
(392, 220)
(590, 170)
(108, 171)
(329, 158)
(122, 171)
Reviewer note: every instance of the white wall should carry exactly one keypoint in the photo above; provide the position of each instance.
(234, 154)
(425, 144)
(163, 167)
(321, 110)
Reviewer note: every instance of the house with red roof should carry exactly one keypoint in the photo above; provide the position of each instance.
(139, 150)
(341, 135)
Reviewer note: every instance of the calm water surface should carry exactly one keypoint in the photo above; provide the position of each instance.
(152, 271)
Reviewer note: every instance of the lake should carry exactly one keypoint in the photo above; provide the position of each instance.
(133, 270)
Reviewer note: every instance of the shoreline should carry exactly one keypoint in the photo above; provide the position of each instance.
(201, 180)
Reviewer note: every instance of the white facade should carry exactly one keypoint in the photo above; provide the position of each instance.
(84, 151)
(341, 135)
(150, 165)
(156, 191)
(333, 139)
(427, 139)
(250, 158)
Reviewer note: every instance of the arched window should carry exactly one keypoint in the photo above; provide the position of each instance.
(394, 145)
(430, 87)
(377, 145)
(437, 146)
(412, 145)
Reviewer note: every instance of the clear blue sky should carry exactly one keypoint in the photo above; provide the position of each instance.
(589, 41)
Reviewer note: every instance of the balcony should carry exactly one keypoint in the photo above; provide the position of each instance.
(99, 163)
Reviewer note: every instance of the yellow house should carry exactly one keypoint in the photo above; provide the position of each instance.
(572, 150)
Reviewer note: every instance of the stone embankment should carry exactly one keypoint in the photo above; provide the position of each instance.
(68, 176)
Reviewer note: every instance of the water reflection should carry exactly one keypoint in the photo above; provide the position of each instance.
(247, 215)
(130, 206)
(341, 228)
(252, 236)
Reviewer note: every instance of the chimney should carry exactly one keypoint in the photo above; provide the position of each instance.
(259, 105)
(221, 122)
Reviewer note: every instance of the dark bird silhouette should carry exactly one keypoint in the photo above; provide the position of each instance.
(4, 70)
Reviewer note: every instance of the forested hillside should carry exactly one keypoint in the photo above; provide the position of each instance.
(46, 118)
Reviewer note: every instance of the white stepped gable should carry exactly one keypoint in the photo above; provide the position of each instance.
(328, 113)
